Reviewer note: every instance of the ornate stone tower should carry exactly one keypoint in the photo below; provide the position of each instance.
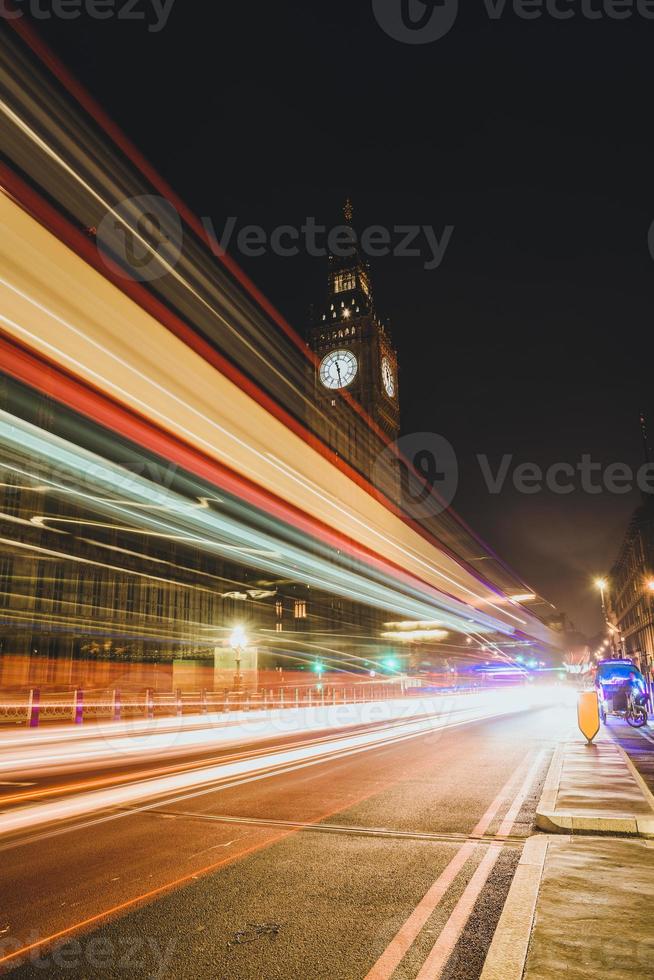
(355, 355)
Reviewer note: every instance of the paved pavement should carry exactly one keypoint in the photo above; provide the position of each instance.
(595, 788)
(394, 861)
(577, 933)
(581, 906)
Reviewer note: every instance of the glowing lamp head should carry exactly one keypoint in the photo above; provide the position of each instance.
(650, 585)
(601, 584)
(238, 639)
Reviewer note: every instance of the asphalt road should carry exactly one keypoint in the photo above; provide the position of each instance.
(393, 861)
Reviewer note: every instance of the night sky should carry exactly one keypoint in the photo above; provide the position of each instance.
(532, 138)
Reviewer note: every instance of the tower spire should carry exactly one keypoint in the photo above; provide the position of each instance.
(350, 290)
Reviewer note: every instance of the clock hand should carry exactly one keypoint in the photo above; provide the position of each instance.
(338, 371)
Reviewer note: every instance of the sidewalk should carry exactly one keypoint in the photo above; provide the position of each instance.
(595, 788)
(581, 906)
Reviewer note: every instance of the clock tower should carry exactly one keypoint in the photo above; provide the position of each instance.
(355, 363)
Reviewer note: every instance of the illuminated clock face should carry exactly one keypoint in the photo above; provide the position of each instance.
(338, 369)
(388, 377)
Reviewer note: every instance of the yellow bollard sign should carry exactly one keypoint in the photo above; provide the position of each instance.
(588, 717)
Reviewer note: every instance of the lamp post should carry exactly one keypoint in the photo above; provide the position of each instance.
(601, 584)
(238, 643)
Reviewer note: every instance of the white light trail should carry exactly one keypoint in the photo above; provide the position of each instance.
(404, 722)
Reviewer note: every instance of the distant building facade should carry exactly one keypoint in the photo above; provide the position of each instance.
(631, 593)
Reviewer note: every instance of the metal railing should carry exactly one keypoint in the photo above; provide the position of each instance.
(35, 706)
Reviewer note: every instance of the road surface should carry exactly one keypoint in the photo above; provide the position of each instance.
(391, 858)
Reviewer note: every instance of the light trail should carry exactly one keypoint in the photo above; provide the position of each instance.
(114, 779)
(199, 227)
(132, 228)
(64, 749)
(251, 470)
(217, 533)
(403, 546)
(182, 786)
(59, 154)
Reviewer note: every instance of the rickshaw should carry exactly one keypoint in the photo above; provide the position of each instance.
(616, 696)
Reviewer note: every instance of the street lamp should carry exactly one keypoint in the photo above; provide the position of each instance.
(238, 642)
(602, 584)
(650, 585)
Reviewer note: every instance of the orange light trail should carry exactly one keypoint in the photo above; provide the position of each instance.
(105, 351)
